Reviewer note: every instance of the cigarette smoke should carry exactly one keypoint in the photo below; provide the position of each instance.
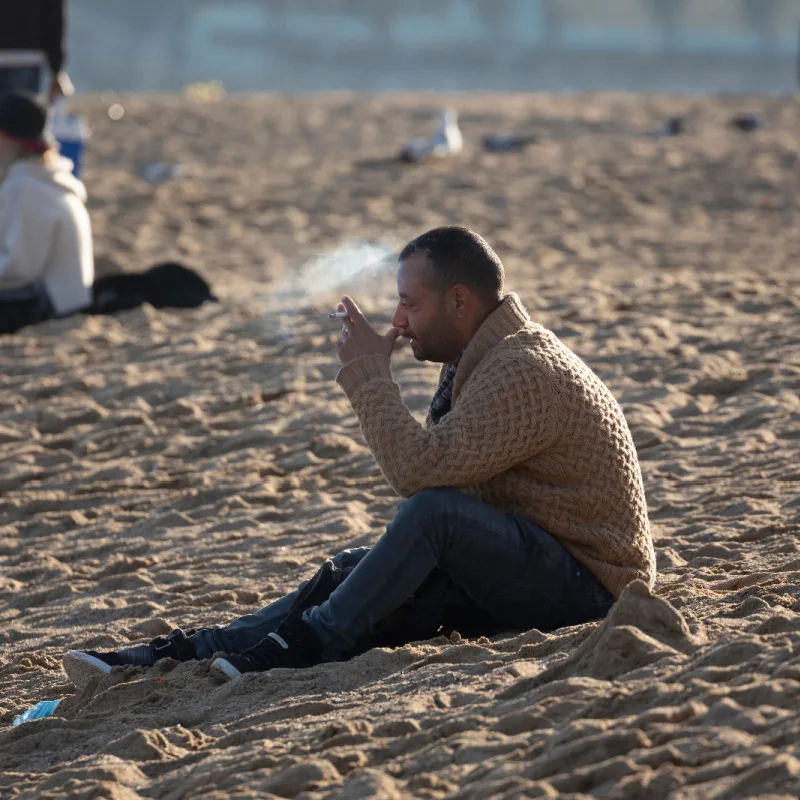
(344, 269)
(358, 268)
(357, 261)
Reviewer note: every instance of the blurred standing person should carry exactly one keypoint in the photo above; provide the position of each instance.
(668, 15)
(554, 20)
(763, 18)
(32, 45)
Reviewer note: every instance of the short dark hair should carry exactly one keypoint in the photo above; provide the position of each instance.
(459, 255)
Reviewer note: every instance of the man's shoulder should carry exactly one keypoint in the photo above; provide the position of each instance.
(537, 352)
(531, 344)
(531, 351)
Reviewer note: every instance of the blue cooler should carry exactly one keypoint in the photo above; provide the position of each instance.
(72, 132)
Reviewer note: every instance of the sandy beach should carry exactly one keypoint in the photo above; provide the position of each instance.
(165, 468)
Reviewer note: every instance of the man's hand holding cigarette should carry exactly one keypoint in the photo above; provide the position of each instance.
(359, 338)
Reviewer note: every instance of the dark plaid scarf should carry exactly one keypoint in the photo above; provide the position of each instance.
(443, 399)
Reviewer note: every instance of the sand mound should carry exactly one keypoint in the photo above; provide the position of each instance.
(640, 630)
(162, 468)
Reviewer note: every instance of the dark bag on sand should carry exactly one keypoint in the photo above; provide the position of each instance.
(167, 285)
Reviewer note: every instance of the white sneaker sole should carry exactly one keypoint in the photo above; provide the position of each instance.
(82, 668)
(222, 668)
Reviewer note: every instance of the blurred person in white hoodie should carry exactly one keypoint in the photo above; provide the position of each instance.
(46, 256)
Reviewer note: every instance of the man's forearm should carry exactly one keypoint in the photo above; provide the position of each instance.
(491, 430)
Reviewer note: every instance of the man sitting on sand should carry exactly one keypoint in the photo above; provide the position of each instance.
(524, 500)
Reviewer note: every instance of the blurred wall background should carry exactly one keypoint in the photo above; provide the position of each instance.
(513, 45)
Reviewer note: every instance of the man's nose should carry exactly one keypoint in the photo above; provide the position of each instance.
(400, 318)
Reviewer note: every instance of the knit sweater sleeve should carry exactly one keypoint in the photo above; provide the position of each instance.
(505, 414)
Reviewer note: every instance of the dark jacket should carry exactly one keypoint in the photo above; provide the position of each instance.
(34, 25)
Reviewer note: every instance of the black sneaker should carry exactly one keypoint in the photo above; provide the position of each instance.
(294, 646)
(83, 665)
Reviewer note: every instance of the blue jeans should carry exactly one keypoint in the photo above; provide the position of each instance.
(20, 79)
(27, 305)
(446, 557)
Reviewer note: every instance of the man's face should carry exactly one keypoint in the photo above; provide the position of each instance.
(424, 313)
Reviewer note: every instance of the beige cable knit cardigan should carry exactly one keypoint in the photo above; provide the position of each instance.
(532, 431)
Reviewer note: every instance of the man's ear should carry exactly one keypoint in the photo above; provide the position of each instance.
(462, 298)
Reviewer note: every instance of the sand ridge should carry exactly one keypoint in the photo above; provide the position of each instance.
(161, 468)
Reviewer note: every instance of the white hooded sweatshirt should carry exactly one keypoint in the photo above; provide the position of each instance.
(45, 233)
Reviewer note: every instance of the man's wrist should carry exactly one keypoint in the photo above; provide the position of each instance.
(362, 370)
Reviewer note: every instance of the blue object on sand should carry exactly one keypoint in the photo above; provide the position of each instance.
(44, 708)
(71, 132)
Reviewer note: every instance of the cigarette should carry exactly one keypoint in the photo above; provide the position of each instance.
(338, 314)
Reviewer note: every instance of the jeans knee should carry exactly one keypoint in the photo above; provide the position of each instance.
(349, 559)
(430, 501)
(432, 515)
